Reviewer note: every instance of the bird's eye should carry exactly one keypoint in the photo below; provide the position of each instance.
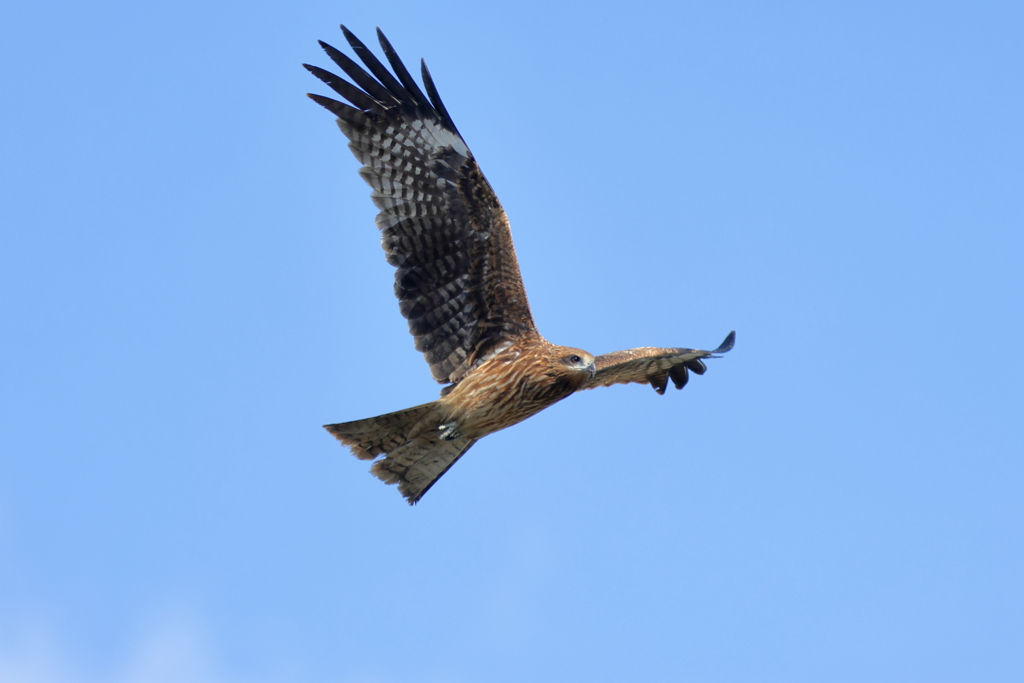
(575, 359)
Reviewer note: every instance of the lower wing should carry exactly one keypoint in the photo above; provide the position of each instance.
(654, 366)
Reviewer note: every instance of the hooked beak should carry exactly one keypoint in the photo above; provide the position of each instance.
(592, 369)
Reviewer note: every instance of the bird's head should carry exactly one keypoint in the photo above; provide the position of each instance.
(578, 362)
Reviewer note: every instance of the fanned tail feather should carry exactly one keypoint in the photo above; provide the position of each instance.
(417, 464)
(415, 456)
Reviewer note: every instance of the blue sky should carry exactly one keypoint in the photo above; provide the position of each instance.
(191, 284)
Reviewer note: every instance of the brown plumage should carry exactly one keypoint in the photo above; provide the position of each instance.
(457, 282)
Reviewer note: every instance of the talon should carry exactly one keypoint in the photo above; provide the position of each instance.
(449, 431)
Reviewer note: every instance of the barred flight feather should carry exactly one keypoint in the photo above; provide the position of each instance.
(440, 220)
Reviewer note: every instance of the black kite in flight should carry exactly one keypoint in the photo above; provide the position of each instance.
(457, 282)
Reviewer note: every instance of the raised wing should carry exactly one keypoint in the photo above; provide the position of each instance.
(649, 365)
(442, 226)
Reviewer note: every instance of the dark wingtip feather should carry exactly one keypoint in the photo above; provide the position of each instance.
(727, 345)
(399, 68)
(697, 366)
(380, 90)
(659, 381)
(435, 98)
(358, 75)
(376, 68)
(679, 376)
(339, 85)
(340, 109)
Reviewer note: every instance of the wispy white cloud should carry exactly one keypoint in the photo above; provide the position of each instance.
(29, 656)
(175, 648)
(174, 651)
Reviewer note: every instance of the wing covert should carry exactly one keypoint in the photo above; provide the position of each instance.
(442, 227)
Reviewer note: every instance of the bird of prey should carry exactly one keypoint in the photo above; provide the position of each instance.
(457, 282)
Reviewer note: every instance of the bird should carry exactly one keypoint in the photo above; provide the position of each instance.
(457, 281)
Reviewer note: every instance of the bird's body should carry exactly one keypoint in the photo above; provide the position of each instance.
(458, 283)
(515, 383)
